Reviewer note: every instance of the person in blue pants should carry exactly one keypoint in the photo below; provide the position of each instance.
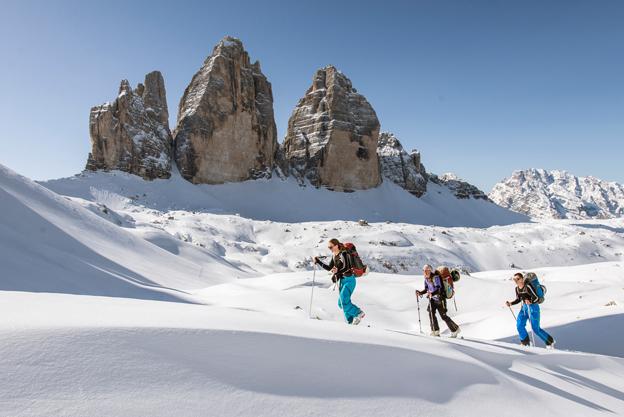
(341, 267)
(530, 311)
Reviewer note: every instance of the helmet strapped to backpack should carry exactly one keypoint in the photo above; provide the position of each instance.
(357, 266)
(540, 290)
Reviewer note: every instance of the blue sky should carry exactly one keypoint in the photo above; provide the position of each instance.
(479, 87)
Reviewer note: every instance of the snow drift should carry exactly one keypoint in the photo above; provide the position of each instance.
(171, 359)
(50, 244)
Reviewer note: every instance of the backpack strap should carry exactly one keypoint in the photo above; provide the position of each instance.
(348, 260)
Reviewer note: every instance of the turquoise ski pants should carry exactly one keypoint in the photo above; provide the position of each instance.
(347, 286)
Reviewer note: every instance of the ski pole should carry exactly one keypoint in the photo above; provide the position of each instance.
(419, 322)
(312, 292)
(512, 313)
(532, 330)
(455, 303)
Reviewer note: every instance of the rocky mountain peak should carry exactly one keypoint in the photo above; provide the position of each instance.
(132, 133)
(226, 129)
(558, 194)
(462, 189)
(332, 135)
(402, 168)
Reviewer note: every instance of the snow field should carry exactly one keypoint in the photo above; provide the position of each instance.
(113, 305)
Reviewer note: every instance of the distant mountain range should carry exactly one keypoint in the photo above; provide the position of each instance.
(539, 193)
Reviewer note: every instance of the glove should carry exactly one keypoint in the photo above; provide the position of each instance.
(316, 259)
(507, 303)
(417, 293)
(334, 279)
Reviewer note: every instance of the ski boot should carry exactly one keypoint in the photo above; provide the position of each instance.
(357, 319)
(550, 343)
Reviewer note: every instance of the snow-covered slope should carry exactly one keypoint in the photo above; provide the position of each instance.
(266, 247)
(558, 194)
(286, 201)
(582, 300)
(114, 302)
(252, 352)
(51, 244)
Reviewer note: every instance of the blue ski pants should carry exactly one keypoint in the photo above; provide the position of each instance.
(534, 311)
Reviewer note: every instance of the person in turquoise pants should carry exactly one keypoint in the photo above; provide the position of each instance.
(530, 311)
(350, 310)
(342, 270)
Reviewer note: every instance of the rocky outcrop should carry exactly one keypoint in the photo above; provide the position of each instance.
(402, 168)
(461, 189)
(132, 134)
(560, 195)
(226, 130)
(332, 135)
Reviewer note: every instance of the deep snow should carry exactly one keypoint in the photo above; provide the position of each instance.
(134, 308)
(153, 210)
(78, 355)
(285, 201)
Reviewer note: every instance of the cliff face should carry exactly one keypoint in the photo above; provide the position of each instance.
(332, 135)
(226, 130)
(459, 187)
(402, 168)
(132, 133)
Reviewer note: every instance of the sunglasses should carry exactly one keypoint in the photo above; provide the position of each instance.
(517, 279)
(331, 247)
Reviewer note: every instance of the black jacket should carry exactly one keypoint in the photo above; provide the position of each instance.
(526, 293)
(342, 262)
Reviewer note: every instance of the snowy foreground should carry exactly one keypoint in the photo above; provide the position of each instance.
(131, 310)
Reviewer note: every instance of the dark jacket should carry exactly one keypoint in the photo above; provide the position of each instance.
(526, 293)
(342, 262)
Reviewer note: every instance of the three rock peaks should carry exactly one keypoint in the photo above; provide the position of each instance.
(226, 131)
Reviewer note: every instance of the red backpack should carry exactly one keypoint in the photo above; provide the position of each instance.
(357, 266)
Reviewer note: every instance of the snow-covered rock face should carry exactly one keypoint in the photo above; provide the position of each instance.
(226, 130)
(402, 168)
(461, 189)
(560, 195)
(332, 135)
(132, 134)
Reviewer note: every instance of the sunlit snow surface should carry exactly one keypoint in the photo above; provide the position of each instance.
(122, 304)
